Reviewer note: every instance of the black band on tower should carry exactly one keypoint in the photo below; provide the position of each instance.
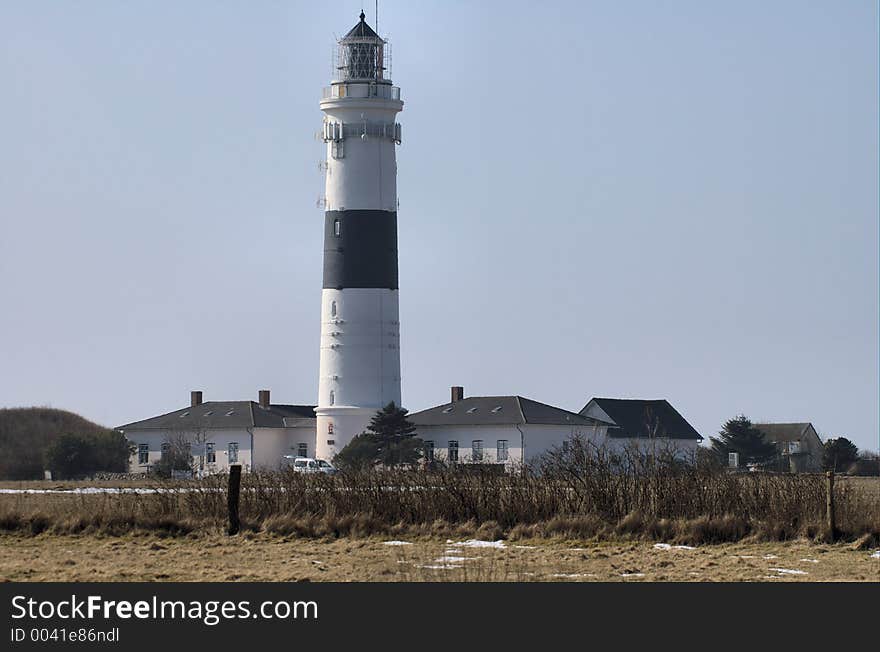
(360, 249)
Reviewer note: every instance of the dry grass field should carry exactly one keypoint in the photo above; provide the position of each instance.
(592, 524)
(264, 557)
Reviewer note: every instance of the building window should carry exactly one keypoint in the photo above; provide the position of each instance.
(302, 450)
(232, 450)
(210, 455)
(165, 448)
(453, 451)
(502, 450)
(143, 453)
(330, 428)
(332, 308)
(429, 450)
(337, 228)
(332, 397)
(477, 450)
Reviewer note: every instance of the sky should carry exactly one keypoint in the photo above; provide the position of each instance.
(644, 199)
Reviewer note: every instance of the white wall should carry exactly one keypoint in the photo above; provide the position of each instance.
(681, 448)
(220, 437)
(465, 435)
(539, 439)
(270, 444)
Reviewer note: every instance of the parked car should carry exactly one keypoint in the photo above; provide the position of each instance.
(309, 465)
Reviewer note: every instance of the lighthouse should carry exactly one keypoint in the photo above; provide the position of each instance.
(360, 327)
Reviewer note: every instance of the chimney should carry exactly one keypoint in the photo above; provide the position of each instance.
(264, 398)
(195, 398)
(457, 393)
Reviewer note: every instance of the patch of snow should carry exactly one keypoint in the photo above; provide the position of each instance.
(439, 567)
(770, 557)
(812, 561)
(526, 547)
(632, 574)
(570, 575)
(476, 543)
(578, 549)
(666, 546)
(97, 490)
(788, 571)
(397, 543)
(875, 555)
(451, 559)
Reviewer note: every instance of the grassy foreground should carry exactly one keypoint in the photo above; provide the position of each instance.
(678, 505)
(264, 557)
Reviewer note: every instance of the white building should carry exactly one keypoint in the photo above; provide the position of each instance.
(254, 434)
(515, 430)
(644, 423)
(506, 430)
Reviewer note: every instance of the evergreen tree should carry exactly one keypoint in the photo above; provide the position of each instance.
(81, 455)
(839, 454)
(390, 439)
(739, 436)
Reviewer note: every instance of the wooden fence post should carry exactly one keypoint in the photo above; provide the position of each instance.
(232, 497)
(829, 503)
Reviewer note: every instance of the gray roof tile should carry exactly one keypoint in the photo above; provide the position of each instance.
(497, 410)
(631, 416)
(224, 414)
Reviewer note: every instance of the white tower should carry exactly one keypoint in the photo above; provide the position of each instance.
(360, 331)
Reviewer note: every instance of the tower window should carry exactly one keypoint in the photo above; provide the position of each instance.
(330, 428)
(337, 228)
(332, 397)
(332, 308)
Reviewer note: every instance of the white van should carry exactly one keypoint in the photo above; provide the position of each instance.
(308, 464)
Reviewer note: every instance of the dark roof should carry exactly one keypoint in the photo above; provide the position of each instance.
(779, 432)
(226, 414)
(497, 410)
(631, 416)
(361, 30)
